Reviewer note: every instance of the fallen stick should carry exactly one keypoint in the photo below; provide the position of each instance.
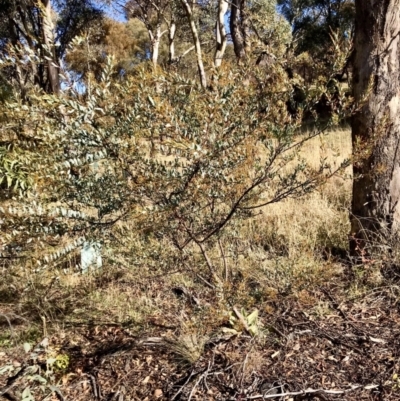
(310, 391)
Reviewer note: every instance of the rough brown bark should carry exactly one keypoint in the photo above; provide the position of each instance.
(239, 29)
(53, 69)
(376, 125)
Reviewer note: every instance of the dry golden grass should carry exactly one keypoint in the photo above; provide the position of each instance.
(333, 145)
(287, 247)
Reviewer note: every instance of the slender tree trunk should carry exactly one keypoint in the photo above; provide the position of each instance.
(171, 37)
(155, 38)
(156, 51)
(196, 42)
(220, 33)
(244, 12)
(236, 30)
(53, 69)
(239, 26)
(376, 125)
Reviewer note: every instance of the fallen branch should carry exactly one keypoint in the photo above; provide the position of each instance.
(311, 391)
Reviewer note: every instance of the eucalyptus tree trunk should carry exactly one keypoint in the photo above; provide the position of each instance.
(376, 124)
(171, 39)
(53, 69)
(173, 57)
(155, 38)
(196, 42)
(239, 29)
(220, 33)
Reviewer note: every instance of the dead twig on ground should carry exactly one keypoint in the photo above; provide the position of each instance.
(313, 392)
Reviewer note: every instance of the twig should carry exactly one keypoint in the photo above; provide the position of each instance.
(194, 387)
(336, 306)
(96, 387)
(9, 325)
(244, 367)
(207, 283)
(221, 249)
(311, 391)
(208, 262)
(183, 386)
(277, 331)
(202, 376)
(334, 303)
(210, 363)
(152, 341)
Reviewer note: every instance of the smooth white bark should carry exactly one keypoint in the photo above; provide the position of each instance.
(196, 42)
(221, 37)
